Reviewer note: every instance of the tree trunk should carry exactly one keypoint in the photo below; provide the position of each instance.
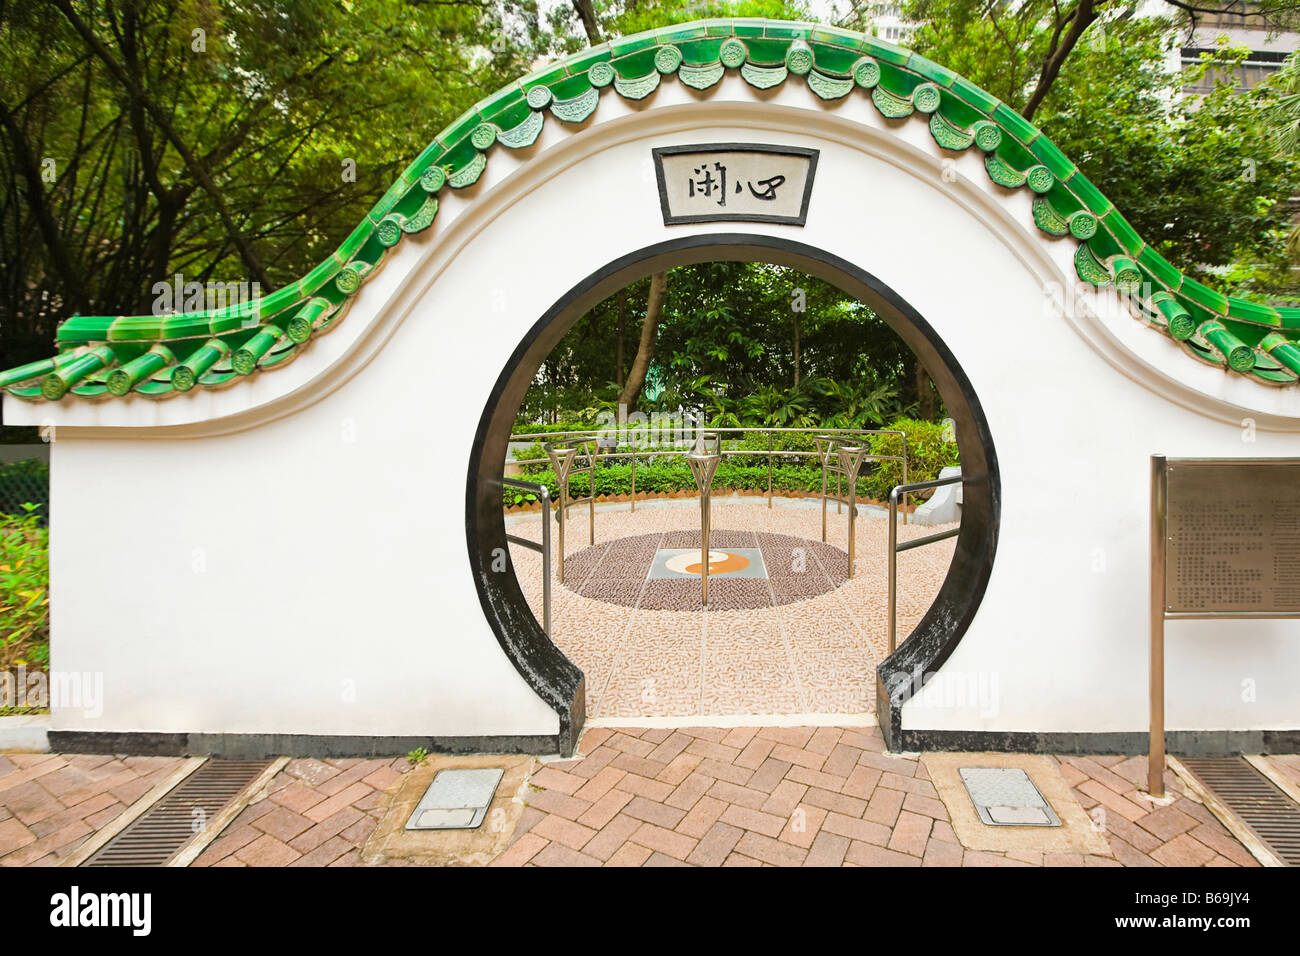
(587, 14)
(645, 349)
(622, 325)
(928, 408)
(1079, 19)
(796, 350)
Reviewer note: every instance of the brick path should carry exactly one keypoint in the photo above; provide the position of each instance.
(317, 813)
(703, 796)
(51, 803)
(813, 797)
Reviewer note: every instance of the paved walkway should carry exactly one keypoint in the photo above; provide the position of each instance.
(51, 803)
(648, 650)
(700, 796)
(815, 797)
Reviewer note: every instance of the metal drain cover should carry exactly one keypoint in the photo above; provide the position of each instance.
(456, 800)
(1006, 797)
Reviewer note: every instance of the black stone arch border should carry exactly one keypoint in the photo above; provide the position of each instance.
(545, 668)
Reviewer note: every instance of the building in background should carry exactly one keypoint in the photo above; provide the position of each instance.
(1203, 33)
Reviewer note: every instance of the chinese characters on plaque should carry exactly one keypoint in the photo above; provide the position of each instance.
(735, 182)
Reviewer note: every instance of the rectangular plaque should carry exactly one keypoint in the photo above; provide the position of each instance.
(735, 182)
(1233, 536)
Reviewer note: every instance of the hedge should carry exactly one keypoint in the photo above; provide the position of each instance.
(927, 453)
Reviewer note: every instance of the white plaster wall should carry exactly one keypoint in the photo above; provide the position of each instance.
(329, 559)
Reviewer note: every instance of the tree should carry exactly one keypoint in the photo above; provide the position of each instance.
(220, 140)
(1017, 50)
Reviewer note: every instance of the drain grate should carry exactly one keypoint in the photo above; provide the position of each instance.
(1268, 813)
(164, 829)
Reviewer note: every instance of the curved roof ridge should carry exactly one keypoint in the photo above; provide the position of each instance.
(161, 355)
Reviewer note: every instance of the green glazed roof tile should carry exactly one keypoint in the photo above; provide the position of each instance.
(1090, 194)
(1204, 296)
(976, 97)
(160, 356)
(834, 60)
(1125, 234)
(1254, 312)
(1017, 125)
(1052, 158)
(1156, 264)
(931, 71)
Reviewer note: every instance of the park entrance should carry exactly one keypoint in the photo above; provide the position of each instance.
(782, 624)
(202, 457)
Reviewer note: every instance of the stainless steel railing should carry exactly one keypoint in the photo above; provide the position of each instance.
(704, 460)
(897, 492)
(563, 455)
(544, 498)
(582, 437)
(840, 451)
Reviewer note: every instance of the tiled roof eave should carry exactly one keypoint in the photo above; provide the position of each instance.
(106, 357)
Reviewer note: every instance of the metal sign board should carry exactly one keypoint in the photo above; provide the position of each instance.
(735, 182)
(1225, 543)
(1232, 536)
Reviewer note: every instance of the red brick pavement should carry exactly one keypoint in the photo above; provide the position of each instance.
(804, 796)
(51, 803)
(699, 796)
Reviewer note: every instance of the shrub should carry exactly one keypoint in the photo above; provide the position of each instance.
(532, 428)
(25, 482)
(927, 453)
(24, 590)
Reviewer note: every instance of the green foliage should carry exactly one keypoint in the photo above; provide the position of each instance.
(1191, 174)
(25, 483)
(296, 114)
(737, 344)
(26, 468)
(417, 756)
(928, 451)
(1204, 179)
(24, 591)
(533, 428)
(668, 472)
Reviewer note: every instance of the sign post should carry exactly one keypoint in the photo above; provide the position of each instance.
(1225, 543)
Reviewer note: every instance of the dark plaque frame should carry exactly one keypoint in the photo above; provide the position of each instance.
(659, 152)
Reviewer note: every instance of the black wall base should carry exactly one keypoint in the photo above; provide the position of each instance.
(261, 746)
(1189, 743)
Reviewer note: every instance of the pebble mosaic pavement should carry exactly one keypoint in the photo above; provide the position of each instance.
(814, 655)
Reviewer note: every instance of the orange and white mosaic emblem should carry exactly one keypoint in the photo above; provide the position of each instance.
(720, 562)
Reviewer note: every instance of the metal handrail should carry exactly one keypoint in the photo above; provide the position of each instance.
(831, 436)
(544, 497)
(557, 438)
(895, 493)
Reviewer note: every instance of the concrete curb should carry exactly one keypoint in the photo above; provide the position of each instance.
(25, 732)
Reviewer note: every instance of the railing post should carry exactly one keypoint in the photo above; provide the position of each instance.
(634, 479)
(559, 513)
(904, 477)
(1156, 677)
(594, 448)
(892, 619)
(850, 458)
(704, 466)
(824, 444)
(561, 464)
(546, 560)
(769, 469)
